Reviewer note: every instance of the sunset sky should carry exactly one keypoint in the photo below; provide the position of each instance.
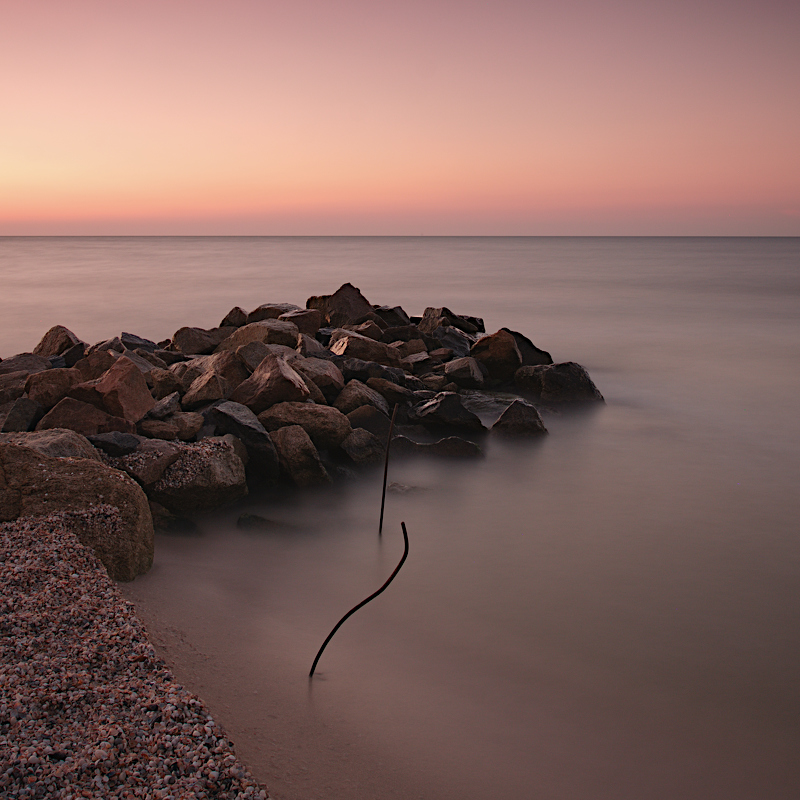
(435, 117)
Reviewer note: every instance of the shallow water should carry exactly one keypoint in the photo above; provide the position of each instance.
(610, 612)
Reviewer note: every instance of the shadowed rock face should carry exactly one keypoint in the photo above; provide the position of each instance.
(558, 384)
(326, 426)
(298, 457)
(34, 484)
(273, 381)
(499, 354)
(520, 419)
(446, 410)
(56, 341)
(343, 307)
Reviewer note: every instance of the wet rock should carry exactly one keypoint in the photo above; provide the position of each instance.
(558, 384)
(234, 418)
(56, 341)
(273, 381)
(83, 418)
(499, 354)
(25, 363)
(353, 345)
(34, 484)
(531, 355)
(520, 419)
(298, 457)
(356, 394)
(370, 419)
(235, 318)
(22, 415)
(327, 426)
(266, 331)
(450, 447)
(115, 443)
(206, 475)
(57, 443)
(446, 409)
(465, 372)
(363, 447)
(47, 388)
(343, 307)
(308, 320)
(270, 311)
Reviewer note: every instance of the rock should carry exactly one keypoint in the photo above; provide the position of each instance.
(12, 386)
(308, 320)
(364, 447)
(453, 339)
(148, 463)
(47, 388)
(57, 340)
(432, 318)
(267, 331)
(158, 429)
(357, 394)
(205, 389)
(239, 420)
(34, 484)
(298, 456)
(411, 347)
(344, 306)
(82, 418)
(499, 354)
(206, 475)
(327, 426)
(446, 409)
(418, 364)
(170, 357)
(199, 341)
(315, 393)
(369, 329)
(235, 318)
(236, 443)
(531, 355)
(74, 354)
(164, 384)
(57, 443)
(310, 347)
(394, 317)
(24, 362)
(324, 374)
(465, 372)
(565, 383)
(95, 364)
(520, 419)
(405, 333)
(437, 383)
(372, 420)
(441, 354)
(124, 391)
(130, 341)
(270, 311)
(451, 447)
(114, 344)
(150, 357)
(353, 345)
(165, 407)
(391, 392)
(164, 520)
(364, 370)
(188, 424)
(144, 365)
(115, 443)
(273, 381)
(22, 416)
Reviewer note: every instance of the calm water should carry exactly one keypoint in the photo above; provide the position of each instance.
(610, 613)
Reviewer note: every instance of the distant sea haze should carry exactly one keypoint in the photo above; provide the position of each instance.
(608, 613)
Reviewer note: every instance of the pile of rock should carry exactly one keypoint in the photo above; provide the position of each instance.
(279, 393)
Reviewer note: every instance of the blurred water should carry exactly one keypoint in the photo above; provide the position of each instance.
(609, 613)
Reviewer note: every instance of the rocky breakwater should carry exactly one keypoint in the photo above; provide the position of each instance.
(287, 394)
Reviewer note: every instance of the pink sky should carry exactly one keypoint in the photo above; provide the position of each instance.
(355, 117)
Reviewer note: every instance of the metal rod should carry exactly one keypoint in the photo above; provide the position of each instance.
(386, 469)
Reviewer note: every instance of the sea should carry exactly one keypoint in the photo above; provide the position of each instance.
(610, 611)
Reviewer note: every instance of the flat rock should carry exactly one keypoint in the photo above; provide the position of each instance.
(130, 341)
(520, 419)
(308, 320)
(56, 341)
(115, 443)
(558, 384)
(363, 447)
(356, 394)
(298, 457)
(165, 429)
(273, 381)
(327, 426)
(24, 362)
(82, 418)
(271, 311)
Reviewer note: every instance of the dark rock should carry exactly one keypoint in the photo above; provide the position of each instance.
(356, 394)
(363, 447)
(273, 381)
(370, 419)
(74, 354)
(343, 307)
(370, 317)
(499, 354)
(531, 355)
(158, 429)
(450, 447)
(235, 318)
(12, 386)
(369, 329)
(418, 364)
(557, 384)
(199, 341)
(308, 320)
(95, 364)
(165, 384)
(446, 409)
(298, 457)
(410, 348)
(83, 418)
(270, 311)
(237, 419)
(57, 340)
(310, 347)
(353, 345)
(364, 370)
(327, 426)
(165, 520)
(24, 362)
(520, 419)
(393, 317)
(436, 383)
(130, 341)
(453, 339)
(391, 392)
(114, 344)
(465, 372)
(170, 357)
(324, 374)
(50, 386)
(22, 416)
(115, 443)
(58, 443)
(433, 318)
(165, 407)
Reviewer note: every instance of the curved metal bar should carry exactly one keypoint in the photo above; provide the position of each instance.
(386, 468)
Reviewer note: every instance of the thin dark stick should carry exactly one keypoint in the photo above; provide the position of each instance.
(386, 468)
(363, 602)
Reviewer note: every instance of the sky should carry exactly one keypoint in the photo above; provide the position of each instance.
(349, 117)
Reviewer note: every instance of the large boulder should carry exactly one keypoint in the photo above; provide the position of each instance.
(56, 341)
(298, 457)
(446, 410)
(325, 374)
(95, 364)
(57, 443)
(432, 318)
(353, 345)
(50, 386)
(363, 447)
(21, 415)
(206, 475)
(239, 420)
(465, 372)
(205, 389)
(147, 464)
(344, 306)
(391, 392)
(235, 318)
(83, 418)
(326, 426)
(124, 391)
(12, 386)
(357, 394)
(33, 484)
(268, 331)
(394, 317)
(371, 419)
(273, 381)
(520, 419)
(453, 339)
(308, 320)
(499, 354)
(24, 362)
(531, 355)
(199, 341)
(271, 311)
(364, 370)
(558, 384)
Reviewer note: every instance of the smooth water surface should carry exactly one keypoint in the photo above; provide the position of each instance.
(611, 612)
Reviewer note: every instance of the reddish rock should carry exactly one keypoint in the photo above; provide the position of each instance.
(465, 372)
(326, 426)
(58, 443)
(148, 462)
(369, 329)
(199, 341)
(158, 429)
(57, 340)
(188, 424)
(205, 389)
(47, 388)
(308, 320)
(21, 416)
(164, 383)
(391, 392)
(344, 306)
(410, 348)
(433, 318)
(354, 345)
(357, 394)
(532, 356)
(309, 346)
(363, 447)
(124, 391)
(24, 362)
(273, 381)
(298, 457)
(12, 386)
(268, 331)
(499, 354)
(95, 364)
(83, 418)
(325, 374)
(271, 311)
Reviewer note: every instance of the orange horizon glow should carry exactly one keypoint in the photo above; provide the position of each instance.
(437, 118)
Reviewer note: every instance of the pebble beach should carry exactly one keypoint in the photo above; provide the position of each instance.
(87, 709)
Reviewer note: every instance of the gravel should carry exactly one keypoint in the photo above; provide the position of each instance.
(87, 709)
